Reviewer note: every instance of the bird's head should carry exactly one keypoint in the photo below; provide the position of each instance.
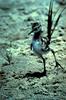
(36, 28)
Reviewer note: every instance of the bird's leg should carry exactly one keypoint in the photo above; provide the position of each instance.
(44, 65)
(57, 63)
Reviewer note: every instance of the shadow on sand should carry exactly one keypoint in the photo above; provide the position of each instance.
(34, 74)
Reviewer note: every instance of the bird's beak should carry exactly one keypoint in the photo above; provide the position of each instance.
(30, 32)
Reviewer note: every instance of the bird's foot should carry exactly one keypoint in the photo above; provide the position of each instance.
(58, 64)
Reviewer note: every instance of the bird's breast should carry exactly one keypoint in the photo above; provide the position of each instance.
(38, 47)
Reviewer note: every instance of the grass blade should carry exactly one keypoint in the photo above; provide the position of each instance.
(49, 26)
(57, 20)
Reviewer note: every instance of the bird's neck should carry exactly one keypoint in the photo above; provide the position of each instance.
(36, 36)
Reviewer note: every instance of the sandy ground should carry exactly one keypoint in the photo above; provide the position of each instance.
(14, 28)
